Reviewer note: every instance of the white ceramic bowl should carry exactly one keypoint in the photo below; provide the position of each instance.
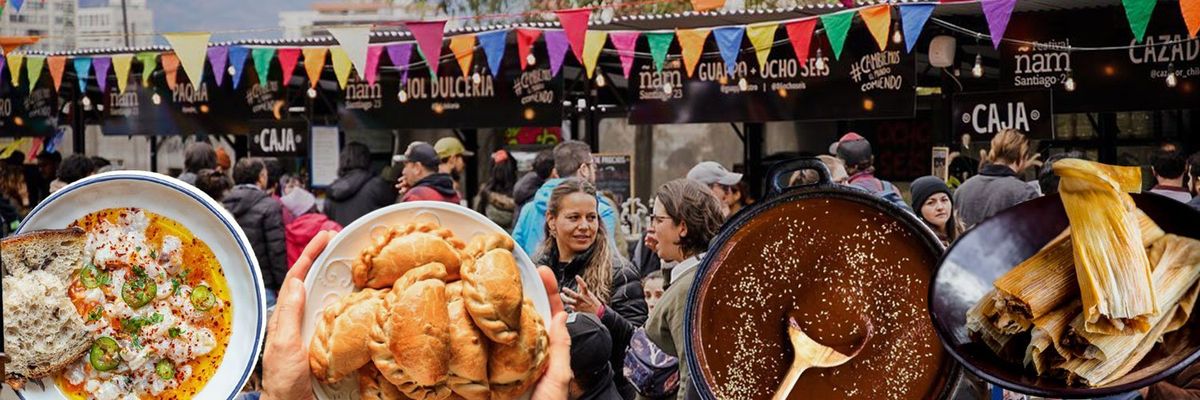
(329, 278)
(209, 222)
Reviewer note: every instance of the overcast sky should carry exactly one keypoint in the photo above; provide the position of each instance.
(223, 15)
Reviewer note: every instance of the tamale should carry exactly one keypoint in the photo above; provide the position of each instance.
(979, 328)
(1045, 348)
(1111, 266)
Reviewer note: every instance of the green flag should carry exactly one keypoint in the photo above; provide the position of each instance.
(836, 26)
(659, 43)
(262, 62)
(1138, 12)
(33, 69)
(149, 62)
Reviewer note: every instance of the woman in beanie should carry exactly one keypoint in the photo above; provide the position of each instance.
(931, 199)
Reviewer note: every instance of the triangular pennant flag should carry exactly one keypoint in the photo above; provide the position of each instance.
(692, 43)
(83, 67)
(14, 67)
(262, 62)
(57, 64)
(102, 64)
(400, 54)
(429, 40)
(237, 60)
(218, 56)
(1191, 15)
(762, 37)
(556, 45)
(1138, 12)
(463, 47)
(354, 41)
(17, 4)
(493, 44)
(800, 34)
(314, 62)
(847, 3)
(525, 39)
(591, 50)
(997, 13)
(149, 62)
(707, 5)
(729, 43)
(190, 47)
(913, 18)
(170, 65)
(33, 69)
(659, 42)
(836, 26)
(625, 42)
(575, 23)
(373, 53)
(878, 19)
(121, 64)
(287, 62)
(341, 65)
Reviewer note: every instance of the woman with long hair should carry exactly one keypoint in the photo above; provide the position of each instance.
(593, 277)
(934, 206)
(495, 198)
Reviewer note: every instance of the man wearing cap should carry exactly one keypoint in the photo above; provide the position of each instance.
(420, 179)
(855, 150)
(451, 153)
(718, 179)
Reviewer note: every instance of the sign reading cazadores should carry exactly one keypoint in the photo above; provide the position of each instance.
(982, 114)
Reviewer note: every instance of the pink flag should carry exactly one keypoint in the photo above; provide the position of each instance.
(287, 62)
(373, 53)
(625, 42)
(429, 40)
(575, 23)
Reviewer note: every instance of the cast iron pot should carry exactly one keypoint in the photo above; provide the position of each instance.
(814, 195)
(997, 245)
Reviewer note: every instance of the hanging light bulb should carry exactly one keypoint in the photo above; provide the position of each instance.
(530, 59)
(475, 78)
(977, 70)
(742, 84)
(87, 102)
(668, 89)
(600, 82)
(312, 93)
(1172, 79)
(897, 36)
(1069, 83)
(100, 107)
(156, 99)
(820, 62)
(231, 70)
(402, 95)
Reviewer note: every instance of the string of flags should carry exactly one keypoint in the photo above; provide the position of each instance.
(353, 52)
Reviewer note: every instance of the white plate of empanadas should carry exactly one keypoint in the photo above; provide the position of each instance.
(425, 300)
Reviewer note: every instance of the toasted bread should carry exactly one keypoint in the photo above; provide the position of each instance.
(43, 333)
(59, 252)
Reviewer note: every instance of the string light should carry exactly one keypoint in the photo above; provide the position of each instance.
(475, 78)
(156, 99)
(232, 71)
(977, 70)
(742, 84)
(312, 93)
(668, 89)
(820, 63)
(87, 102)
(897, 36)
(1069, 83)
(600, 82)
(1172, 80)
(402, 95)
(530, 59)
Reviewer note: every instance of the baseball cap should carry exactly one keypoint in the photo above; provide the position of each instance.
(710, 172)
(852, 148)
(419, 152)
(450, 146)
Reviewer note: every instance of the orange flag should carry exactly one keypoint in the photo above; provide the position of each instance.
(1191, 15)
(56, 63)
(314, 62)
(878, 19)
(170, 65)
(463, 47)
(692, 43)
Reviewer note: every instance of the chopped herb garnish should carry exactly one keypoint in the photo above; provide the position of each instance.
(153, 254)
(174, 331)
(174, 286)
(156, 318)
(95, 314)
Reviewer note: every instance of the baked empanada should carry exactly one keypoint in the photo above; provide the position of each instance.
(396, 250)
(493, 294)
(410, 341)
(468, 350)
(339, 345)
(372, 386)
(516, 368)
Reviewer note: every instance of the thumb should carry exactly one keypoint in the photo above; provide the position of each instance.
(551, 284)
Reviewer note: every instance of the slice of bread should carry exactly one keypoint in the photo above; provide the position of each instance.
(59, 252)
(43, 334)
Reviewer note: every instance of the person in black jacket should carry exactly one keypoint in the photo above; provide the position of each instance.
(594, 278)
(261, 218)
(356, 191)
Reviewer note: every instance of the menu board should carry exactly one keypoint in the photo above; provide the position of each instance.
(325, 147)
(614, 174)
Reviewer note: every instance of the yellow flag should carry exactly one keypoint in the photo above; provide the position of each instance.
(314, 62)
(463, 47)
(592, 44)
(14, 67)
(191, 48)
(121, 63)
(692, 42)
(762, 37)
(341, 65)
(878, 19)
(14, 146)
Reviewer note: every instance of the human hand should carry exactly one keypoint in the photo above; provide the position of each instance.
(584, 300)
(401, 185)
(285, 360)
(554, 384)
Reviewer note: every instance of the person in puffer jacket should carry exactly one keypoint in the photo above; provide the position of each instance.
(261, 218)
(307, 223)
(357, 191)
(593, 277)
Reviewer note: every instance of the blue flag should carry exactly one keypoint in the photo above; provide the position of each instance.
(914, 16)
(493, 48)
(83, 67)
(237, 60)
(729, 42)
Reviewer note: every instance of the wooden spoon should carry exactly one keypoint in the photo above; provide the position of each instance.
(810, 354)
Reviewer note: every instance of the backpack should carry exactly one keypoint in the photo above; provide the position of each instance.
(886, 191)
(653, 373)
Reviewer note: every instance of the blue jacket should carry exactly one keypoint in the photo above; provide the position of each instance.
(530, 229)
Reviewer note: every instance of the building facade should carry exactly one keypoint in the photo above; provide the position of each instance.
(102, 23)
(53, 21)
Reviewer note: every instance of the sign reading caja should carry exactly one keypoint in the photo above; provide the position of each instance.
(985, 113)
(278, 138)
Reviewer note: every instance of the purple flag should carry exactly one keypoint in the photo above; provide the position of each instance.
(556, 45)
(997, 13)
(217, 57)
(400, 54)
(101, 65)
(429, 39)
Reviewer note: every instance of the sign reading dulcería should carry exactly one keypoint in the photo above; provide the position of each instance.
(985, 113)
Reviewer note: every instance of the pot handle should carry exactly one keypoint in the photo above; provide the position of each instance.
(782, 171)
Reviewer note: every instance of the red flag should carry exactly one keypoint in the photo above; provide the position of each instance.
(429, 40)
(525, 39)
(800, 34)
(575, 23)
(287, 62)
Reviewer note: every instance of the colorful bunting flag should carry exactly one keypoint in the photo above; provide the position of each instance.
(836, 26)
(341, 65)
(762, 37)
(1191, 15)
(692, 43)
(314, 62)
(800, 34)
(913, 17)
(463, 47)
(400, 54)
(729, 43)
(493, 44)
(525, 39)
(170, 66)
(287, 62)
(262, 62)
(10, 43)
(625, 42)
(997, 13)
(592, 45)
(17, 4)
(33, 69)
(847, 3)
(878, 19)
(354, 40)
(2, 57)
(575, 23)
(83, 67)
(102, 64)
(429, 40)
(121, 64)
(659, 42)
(218, 56)
(556, 46)
(707, 5)
(190, 48)
(149, 62)
(57, 64)
(237, 60)
(373, 53)
(14, 67)
(1138, 12)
